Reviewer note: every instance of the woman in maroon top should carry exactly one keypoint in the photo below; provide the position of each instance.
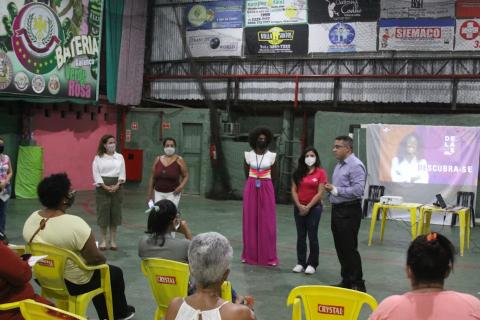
(15, 275)
(169, 175)
(307, 191)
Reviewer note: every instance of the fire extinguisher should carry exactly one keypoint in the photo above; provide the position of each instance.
(213, 152)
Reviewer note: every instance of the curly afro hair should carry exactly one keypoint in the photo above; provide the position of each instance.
(53, 189)
(253, 136)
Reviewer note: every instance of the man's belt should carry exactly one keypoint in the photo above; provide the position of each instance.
(347, 203)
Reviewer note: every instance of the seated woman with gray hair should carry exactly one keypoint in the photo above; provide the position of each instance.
(209, 256)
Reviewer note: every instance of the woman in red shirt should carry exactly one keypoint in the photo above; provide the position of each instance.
(15, 275)
(307, 191)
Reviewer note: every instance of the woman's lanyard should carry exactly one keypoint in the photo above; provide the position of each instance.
(257, 180)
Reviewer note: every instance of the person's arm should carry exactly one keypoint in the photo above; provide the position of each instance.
(184, 174)
(122, 177)
(357, 178)
(151, 180)
(97, 177)
(173, 308)
(90, 252)
(185, 230)
(395, 172)
(12, 269)
(317, 197)
(246, 168)
(8, 177)
(301, 208)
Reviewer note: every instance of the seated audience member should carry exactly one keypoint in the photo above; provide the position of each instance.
(159, 241)
(429, 262)
(209, 256)
(15, 275)
(53, 226)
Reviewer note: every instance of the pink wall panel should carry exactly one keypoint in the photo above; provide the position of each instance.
(70, 144)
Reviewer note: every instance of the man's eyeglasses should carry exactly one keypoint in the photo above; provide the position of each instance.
(338, 146)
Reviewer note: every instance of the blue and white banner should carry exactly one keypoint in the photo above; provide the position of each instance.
(416, 34)
(342, 37)
(417, 9)
(274, 12)
(467, 36)
(214, 15)
(214, 43)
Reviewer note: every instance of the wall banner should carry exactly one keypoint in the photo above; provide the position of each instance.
(416, 34)
(417, 9)
(268, 12)
(277, 39)
(50, 51)
(325, 11)
(214, 15)
(342, 37)
(467, 9)
(218, 42)
(467, 36)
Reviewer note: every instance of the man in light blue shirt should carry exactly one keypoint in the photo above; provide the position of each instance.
(346, 191)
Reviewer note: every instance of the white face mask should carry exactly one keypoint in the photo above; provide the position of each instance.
(310, 161)
(110, 148)
(169, 151)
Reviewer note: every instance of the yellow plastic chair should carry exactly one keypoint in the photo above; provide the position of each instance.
(168, 279)
(19, 249)
(32, 310)
(50, 274)
(326, 302)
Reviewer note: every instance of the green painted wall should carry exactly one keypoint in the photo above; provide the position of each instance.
(148, 134)
(329, 125)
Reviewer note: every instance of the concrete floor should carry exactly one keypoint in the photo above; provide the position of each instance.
(383, 263)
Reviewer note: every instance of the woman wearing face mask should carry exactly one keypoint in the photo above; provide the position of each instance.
(109, 174)
(259, 217)
(307, 191)
(53, 226)
(169, 175)
(6, 174)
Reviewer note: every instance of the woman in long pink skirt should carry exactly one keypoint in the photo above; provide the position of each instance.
(259, 216)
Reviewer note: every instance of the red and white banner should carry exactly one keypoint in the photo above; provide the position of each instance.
(416, 34)
(467, 36)
(467, 8)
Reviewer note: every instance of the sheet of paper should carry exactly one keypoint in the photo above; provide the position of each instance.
(34, 259)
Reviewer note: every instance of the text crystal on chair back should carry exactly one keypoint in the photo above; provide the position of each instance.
(326, 302)
(49, 273)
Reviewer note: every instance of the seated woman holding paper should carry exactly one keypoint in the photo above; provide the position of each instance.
(53, 226)
(15, 275)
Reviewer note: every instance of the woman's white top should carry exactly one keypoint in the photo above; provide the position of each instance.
(414, 171)
(186, 312)
(108, 166)
(260, 164)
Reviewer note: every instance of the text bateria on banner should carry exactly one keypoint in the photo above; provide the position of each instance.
(467, 8)
(417, 9)
(416, 34)
(277, 39)
(51, 51)
(342, 37)
(324, 11)
(274, 12)
(467, 36)
(215, 28)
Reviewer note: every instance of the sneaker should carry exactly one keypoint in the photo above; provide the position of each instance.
(130, 313)
(298, 268)
(310, 270)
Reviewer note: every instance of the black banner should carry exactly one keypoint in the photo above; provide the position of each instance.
(291, 39)
(325, 11)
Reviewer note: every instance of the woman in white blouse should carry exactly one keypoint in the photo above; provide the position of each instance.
(109, 174)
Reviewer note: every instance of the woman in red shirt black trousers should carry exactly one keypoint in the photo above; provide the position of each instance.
(307, 191)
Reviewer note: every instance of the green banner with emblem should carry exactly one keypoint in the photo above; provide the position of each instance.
(50, 50)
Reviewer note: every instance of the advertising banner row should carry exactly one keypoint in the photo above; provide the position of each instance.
(50, 51)
(392, 34)
(231, 14)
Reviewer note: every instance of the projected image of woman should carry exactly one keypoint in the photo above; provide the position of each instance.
(409, 165)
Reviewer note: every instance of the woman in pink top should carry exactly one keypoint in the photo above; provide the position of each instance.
(429, 262)
(307, 191)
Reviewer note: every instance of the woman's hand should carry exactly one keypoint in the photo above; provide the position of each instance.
(303, 210)
(177, 191)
